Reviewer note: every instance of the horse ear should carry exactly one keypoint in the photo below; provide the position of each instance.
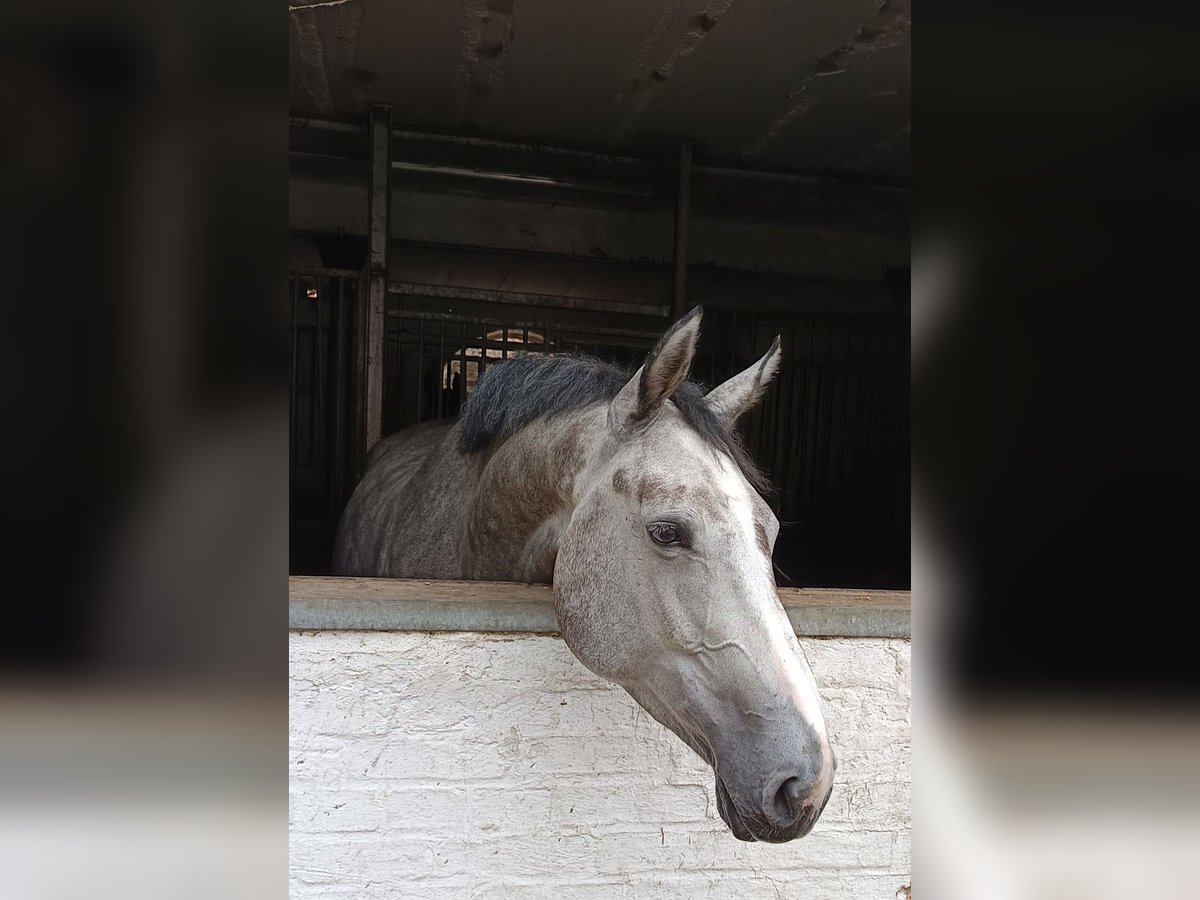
(730, 399)
(665, 368)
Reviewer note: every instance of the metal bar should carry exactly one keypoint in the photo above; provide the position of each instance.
(596, 185)
(325, 273)
(483, 347)
(815, 180)
(543, 255)
(754, 430)
(732, 344)
(326, 124)
(839, 407)
(379, 222)
(825, 423)
(320, 340)
(310, 351)
(712, 364)
(293, 425)
(498, 144)
(854, 409)
(878, 404)
(441, 369)
(517, 298)
(358, 392)
(420, 367)
(784, 448)
(683, 202)
(337, 484)
(332, 604)
(462, 367)
(807, 472)
(434, 316)
(322, 157)
(401, 421)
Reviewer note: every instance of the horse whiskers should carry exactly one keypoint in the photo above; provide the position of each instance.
(696, 737)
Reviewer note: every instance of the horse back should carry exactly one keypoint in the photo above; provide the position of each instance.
(377, 526)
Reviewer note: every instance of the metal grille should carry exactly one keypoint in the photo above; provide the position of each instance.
(322, 309)
(832, 432)
(436, 352)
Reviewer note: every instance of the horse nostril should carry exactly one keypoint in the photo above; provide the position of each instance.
(795, 790)
(788, 799)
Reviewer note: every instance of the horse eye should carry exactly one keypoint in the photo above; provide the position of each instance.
(664, 533)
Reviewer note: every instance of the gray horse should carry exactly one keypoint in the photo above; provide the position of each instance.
(635, 499)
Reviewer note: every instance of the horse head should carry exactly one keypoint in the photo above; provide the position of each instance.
(664, 585)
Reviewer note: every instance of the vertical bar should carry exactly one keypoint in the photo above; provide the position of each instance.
(420, 364)
(878, 399)
(401, 421)
(683, 204)
(790, 412)
(462, 367)
(443, 369)
(379, 231)
(712, 362)
(310, 351)
(854, 403)
(483, 354)
(732, 345)
(358, 379)
(826, 405)
(807, 470)
(754, 428)
(295, 398)
(843, 406)
(321, 422)
(338, 470)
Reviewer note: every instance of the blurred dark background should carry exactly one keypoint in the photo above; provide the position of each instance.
(143, 659)
(144, 196)
(1055, 423)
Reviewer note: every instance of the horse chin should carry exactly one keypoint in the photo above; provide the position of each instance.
(730, 814)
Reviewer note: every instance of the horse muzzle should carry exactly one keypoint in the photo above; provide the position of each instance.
(787, 808)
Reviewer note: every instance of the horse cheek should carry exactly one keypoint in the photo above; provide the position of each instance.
(589, 597)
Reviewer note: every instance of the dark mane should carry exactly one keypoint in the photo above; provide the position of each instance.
(514, 393)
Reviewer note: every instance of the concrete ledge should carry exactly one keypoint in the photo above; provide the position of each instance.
(385, 604)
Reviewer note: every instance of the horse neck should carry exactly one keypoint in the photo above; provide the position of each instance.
(525, 496)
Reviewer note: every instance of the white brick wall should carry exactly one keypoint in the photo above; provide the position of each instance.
(472, 765)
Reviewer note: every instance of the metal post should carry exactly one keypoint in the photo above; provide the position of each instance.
(379, 232)
(337, 479)
(683, 202)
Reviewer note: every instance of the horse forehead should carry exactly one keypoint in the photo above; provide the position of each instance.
(667, 488)
(684, 472)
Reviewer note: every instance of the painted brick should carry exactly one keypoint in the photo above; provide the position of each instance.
(470, 765)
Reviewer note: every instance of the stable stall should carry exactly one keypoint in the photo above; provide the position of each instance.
(472, 181)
